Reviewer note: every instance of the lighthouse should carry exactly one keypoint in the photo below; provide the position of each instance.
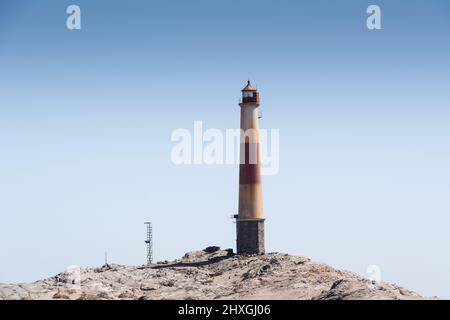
(250, 217)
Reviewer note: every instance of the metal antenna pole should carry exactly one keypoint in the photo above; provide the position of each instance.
(149, 242)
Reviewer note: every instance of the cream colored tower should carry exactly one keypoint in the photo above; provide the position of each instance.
(250, 218)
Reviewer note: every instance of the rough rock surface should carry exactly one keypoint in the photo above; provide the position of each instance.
(210, 274)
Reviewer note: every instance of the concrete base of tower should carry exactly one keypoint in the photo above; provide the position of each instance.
(250, 236)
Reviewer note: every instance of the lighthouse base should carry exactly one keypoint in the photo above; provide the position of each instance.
(250, 236)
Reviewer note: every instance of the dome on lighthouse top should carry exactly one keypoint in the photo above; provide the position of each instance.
(249, 87)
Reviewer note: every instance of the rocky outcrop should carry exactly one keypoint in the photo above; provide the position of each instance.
(210, 274)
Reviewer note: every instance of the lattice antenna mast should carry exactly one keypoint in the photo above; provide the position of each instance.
(149, 242)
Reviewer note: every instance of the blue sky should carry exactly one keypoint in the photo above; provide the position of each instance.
(86, 118)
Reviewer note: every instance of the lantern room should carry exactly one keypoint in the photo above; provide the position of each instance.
(250, 94)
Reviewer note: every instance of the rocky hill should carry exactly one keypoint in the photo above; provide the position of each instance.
(210, 274)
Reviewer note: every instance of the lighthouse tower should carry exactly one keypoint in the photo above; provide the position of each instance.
(250, 218)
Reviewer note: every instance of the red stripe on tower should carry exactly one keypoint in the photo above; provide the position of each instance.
(249, 170)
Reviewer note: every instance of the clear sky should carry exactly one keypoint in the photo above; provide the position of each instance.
(86, 118)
